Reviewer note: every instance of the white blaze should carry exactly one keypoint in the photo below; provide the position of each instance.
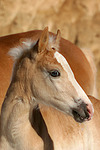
(81, 94)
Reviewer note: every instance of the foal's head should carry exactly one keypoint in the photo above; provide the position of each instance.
(48, 76)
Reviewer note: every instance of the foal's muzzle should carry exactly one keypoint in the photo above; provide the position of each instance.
(81, 113)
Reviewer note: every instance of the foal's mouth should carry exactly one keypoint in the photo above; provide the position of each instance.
(82, 113)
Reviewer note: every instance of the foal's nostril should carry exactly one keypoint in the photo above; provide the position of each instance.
(77, 116)
(81, 113)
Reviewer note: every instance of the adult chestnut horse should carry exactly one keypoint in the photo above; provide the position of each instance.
(49, 85)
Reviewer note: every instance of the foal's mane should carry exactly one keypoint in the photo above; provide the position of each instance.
(28, 44)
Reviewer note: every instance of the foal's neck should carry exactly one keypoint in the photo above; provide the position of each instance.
(16, 119)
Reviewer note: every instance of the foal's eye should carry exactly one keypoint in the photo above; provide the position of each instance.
(54, 73)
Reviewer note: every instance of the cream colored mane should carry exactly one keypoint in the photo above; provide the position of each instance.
(27, 44)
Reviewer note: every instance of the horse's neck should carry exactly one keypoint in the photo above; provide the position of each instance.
(15, 123)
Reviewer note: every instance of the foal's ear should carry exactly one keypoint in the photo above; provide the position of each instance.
(43, 41)
(57, 38)
(55, 42)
